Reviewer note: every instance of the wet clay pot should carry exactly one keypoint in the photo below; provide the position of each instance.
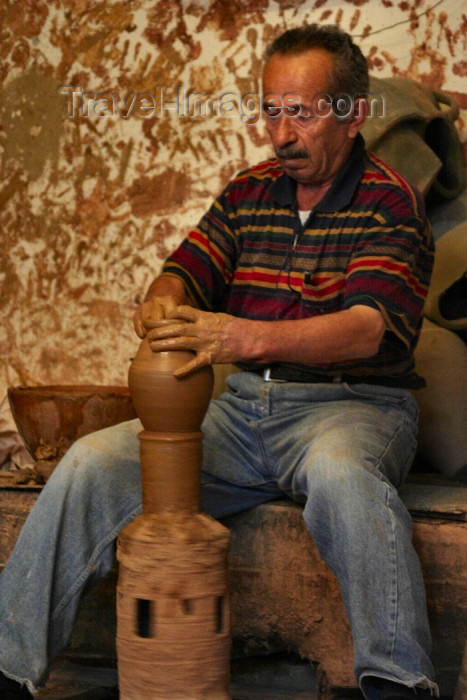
(173, 627)
(163, 402)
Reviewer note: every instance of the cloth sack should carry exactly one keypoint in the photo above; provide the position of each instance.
(412, 129)
(446, 303)
(441, 358)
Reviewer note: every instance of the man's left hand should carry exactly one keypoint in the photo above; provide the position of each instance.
(205, 333)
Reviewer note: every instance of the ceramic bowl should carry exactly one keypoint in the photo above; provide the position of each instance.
(54, 415)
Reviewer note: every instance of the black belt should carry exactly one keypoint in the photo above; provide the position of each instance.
(278, 373)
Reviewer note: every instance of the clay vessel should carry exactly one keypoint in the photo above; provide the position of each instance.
(163, 402)
(51, 415)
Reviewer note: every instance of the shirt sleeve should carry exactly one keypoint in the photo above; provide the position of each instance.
(206, 259)
(390, 270)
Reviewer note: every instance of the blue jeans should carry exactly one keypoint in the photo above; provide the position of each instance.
(340, 450)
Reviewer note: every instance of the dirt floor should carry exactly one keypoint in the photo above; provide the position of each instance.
(277, 679)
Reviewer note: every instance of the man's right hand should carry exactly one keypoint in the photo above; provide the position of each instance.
(150, 313)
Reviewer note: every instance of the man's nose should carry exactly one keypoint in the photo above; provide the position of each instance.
(283, 132)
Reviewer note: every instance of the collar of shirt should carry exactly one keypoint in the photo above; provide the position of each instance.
(342, 189)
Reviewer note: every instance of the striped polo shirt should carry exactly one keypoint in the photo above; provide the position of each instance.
(366, 242)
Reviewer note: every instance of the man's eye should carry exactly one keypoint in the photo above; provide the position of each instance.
(271, 110)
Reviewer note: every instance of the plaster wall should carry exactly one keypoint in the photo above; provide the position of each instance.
(95, 194)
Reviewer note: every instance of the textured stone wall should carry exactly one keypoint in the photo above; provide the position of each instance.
(97, 189)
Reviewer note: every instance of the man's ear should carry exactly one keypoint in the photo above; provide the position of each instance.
(359, 116)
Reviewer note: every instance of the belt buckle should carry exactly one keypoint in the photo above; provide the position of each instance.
(267, 376)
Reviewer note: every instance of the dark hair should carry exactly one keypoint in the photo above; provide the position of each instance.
(350, 74)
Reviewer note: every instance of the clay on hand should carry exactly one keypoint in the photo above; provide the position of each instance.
(203, 332)
(152, 313)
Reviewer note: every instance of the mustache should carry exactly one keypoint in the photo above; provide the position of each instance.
(291, 153)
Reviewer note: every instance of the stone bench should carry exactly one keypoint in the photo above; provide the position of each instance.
(284, 598)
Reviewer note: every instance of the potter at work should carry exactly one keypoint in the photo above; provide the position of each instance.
(309, 272)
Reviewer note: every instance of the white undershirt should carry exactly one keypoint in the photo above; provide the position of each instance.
(304, 214)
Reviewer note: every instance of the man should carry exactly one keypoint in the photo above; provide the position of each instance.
(309, 272)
